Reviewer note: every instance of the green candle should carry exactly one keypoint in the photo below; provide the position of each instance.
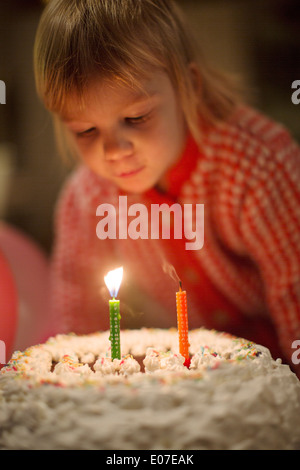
(113, 281)
(115, 317)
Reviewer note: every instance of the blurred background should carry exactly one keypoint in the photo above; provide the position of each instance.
(257, 39)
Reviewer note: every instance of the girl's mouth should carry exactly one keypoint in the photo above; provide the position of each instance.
(127, 174)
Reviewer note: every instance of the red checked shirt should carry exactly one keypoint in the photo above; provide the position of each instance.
(246, 278)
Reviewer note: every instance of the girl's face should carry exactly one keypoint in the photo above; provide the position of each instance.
(128, 136)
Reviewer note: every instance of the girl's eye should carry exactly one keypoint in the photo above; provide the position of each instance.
(86, 133)
(138, 119)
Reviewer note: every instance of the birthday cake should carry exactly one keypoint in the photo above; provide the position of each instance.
(69, 394)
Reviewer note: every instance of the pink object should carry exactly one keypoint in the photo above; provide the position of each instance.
(8, 310)
(30, 269)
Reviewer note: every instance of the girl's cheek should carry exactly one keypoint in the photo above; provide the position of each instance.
(87, 147)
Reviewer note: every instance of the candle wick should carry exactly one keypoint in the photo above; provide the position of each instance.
(180, 285)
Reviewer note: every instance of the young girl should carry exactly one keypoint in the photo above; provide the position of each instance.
(146, 118)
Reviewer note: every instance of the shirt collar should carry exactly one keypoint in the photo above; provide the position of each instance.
(179, 173)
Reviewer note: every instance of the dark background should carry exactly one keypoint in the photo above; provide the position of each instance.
(257, 39)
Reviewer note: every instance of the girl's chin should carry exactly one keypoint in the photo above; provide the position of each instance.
(137, 188)
(135, 184)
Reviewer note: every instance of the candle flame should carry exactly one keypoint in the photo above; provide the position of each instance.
(113, 281)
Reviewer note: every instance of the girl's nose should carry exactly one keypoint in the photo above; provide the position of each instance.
(117, 147)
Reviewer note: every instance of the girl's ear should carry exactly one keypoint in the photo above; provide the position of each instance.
(195, 78)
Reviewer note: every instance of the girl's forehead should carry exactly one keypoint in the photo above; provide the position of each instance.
(136, 89)
(100, 92)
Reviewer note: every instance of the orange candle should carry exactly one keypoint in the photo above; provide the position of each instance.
(182, 324)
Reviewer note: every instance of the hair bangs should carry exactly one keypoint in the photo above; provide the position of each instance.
(73, 50)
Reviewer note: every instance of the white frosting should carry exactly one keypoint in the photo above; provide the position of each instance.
(69, 394)
(125, 366)
(167, 361)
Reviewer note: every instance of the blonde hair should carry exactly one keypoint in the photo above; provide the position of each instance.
(122, 40)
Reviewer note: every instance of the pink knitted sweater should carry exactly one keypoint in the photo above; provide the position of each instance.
(245, 279)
